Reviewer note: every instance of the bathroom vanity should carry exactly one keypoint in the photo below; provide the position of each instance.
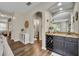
(64, 44)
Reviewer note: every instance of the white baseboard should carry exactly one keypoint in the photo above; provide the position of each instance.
(16, 40)
(55, 54)
(44, 48)
(31, 42)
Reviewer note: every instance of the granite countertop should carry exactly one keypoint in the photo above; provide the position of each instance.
(72, 35)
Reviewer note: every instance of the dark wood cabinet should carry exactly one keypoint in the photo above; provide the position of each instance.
(78, 47)
(71, 47)
(66, 46)
(49, 42)
(58, 44)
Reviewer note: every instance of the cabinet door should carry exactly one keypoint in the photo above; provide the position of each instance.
(49, 42)
(71, 47)
(58, 44)
(78, 47)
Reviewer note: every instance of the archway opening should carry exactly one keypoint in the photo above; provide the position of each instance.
(37, 21)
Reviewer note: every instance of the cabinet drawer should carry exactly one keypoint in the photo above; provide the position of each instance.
(71, 49)
(58, 44)
(78, 47)
(75, 40)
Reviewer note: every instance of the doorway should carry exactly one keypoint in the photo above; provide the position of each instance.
(36, 29)
(37, 21)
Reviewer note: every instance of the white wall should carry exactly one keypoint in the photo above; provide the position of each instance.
(31, 30)
(75, 25)
(48, 17)
(40, 29)
(17, 24)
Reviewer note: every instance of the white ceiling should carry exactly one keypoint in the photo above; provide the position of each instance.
(12, 7)
(42, 6)
(64, 15)
(65, 5)
(9, 8)
(22, 7)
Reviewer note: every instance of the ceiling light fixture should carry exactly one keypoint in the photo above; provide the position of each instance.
(28, 3)
(60, 8)
(59, 4)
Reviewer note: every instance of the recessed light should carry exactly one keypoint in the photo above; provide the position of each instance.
(60, 8)
(2, 15)
(59, 4)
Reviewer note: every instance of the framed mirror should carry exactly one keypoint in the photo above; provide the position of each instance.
(26, 24)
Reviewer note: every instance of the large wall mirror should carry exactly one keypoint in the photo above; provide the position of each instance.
(61, 22)
(63, 18)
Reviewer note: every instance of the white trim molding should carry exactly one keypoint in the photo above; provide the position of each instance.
(44, 48)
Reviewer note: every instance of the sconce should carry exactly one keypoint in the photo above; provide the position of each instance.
(76, 16)
(9, 20)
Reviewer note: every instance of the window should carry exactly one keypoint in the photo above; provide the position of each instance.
(3, 26)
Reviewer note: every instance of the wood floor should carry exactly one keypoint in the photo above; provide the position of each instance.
(19, 49)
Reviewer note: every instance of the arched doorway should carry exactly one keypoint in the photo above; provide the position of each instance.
(37, 25)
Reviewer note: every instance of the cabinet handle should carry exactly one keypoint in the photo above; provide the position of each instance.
(51, 41)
